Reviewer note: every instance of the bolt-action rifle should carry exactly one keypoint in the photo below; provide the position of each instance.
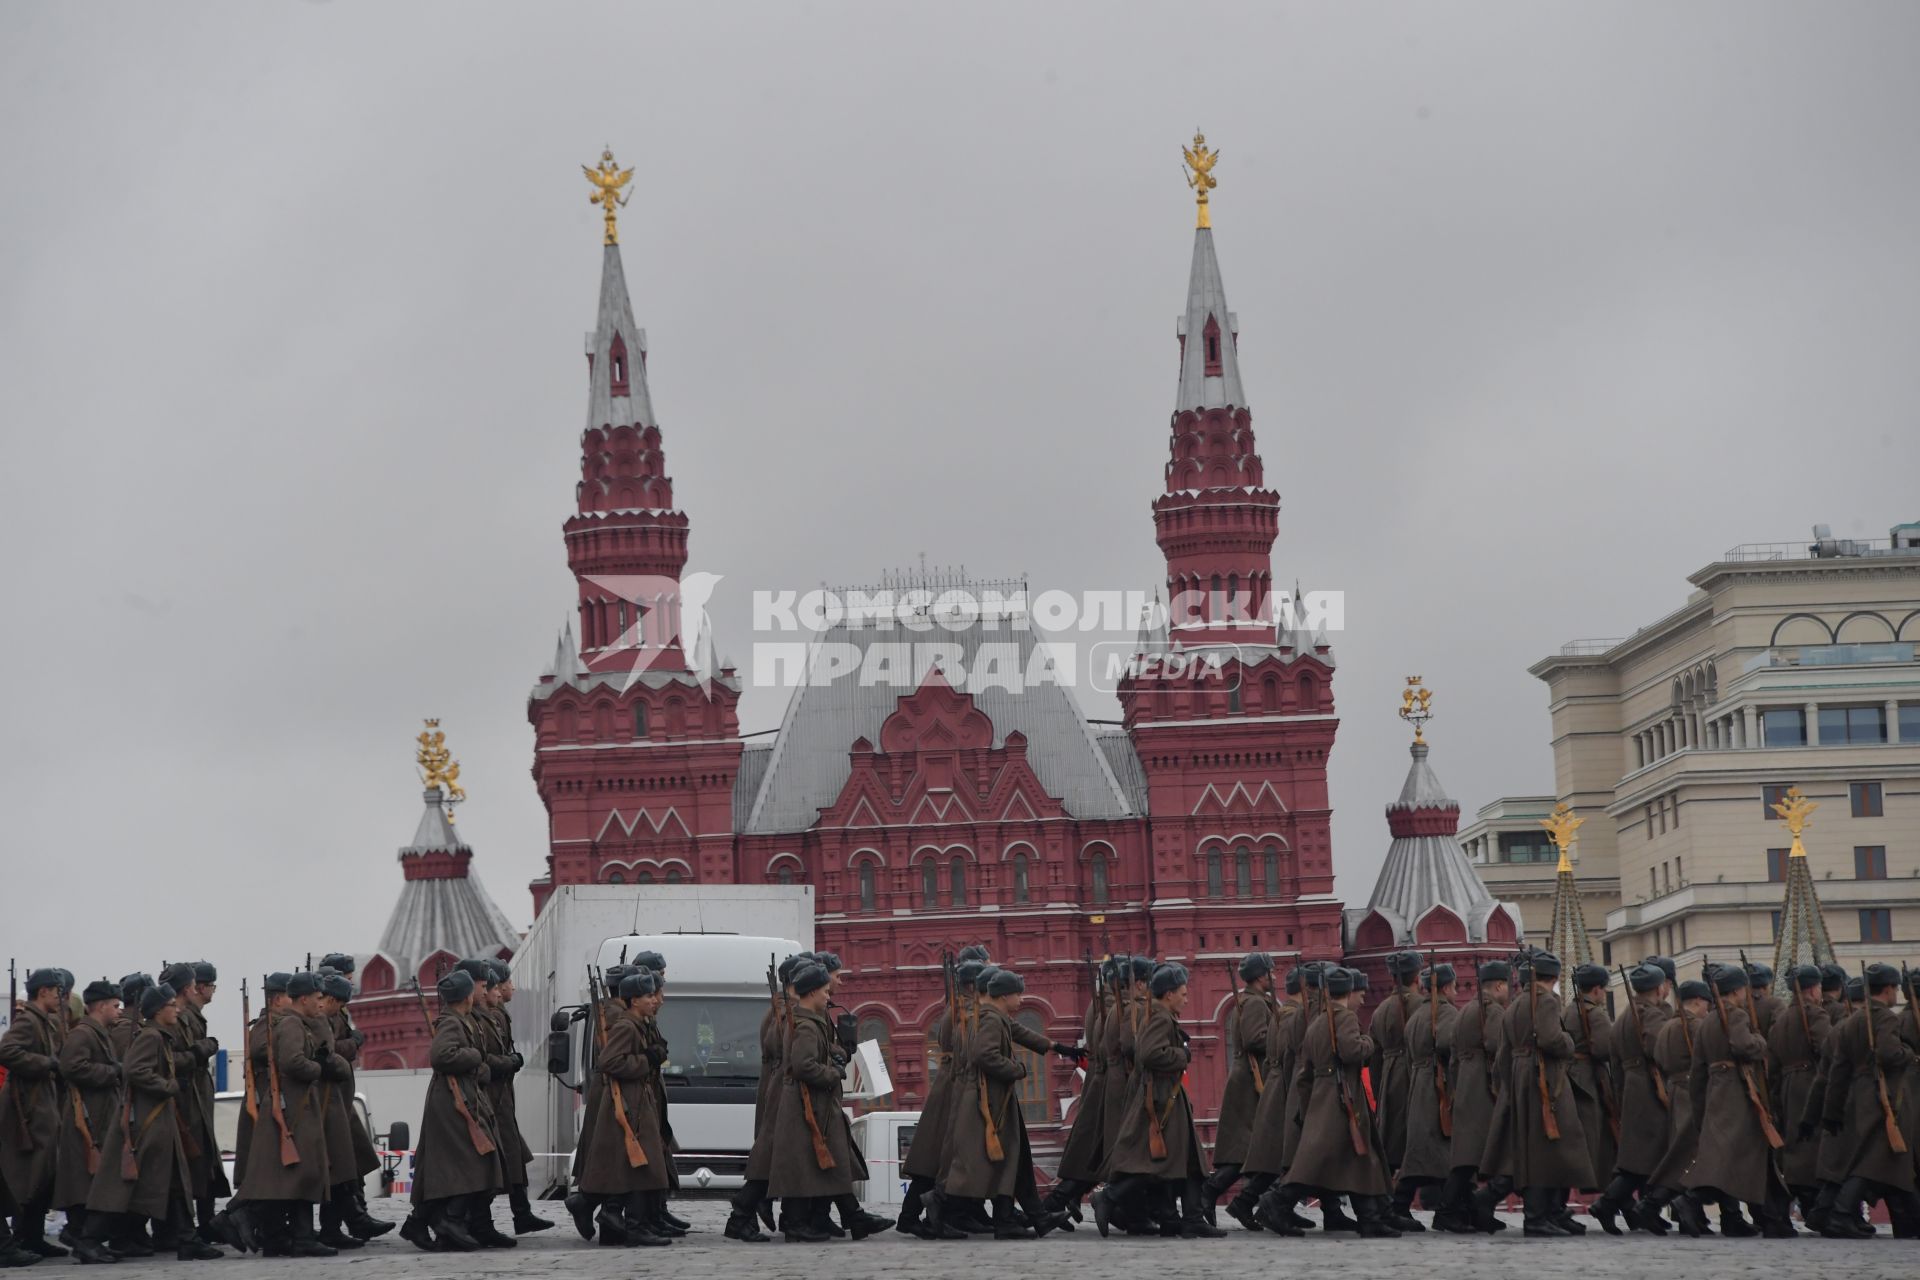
(1440, 1091)
(1759, 1104)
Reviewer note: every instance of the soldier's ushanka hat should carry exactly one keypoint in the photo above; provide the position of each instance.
(156, 998)
(1255, 966)
(1339, 982)
(1005, 982)
(101, 990)
(1495, 971)
(1589, 976)
(453, 988)
(1168, 977)
(1694, 989)
(809, 978)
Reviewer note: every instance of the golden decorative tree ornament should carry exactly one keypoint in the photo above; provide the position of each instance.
(1201, 180)
(1561, 825)
(1796, 809)
(607, 181)
(1414, 700)
(438, 768)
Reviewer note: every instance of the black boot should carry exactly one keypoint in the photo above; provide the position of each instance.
(331, 1233)
(1540, 1208)
(580, 1209)
(1563, 1214)
(1400, 1211)
(639, 1228)
(301, 1240)
(480, 1225)
(1333, 1218)
(1004, 1226)
(938, 1228)
(1691, 1217)
(1845, 1220)
(1196, 1210)
(416, 1233)
(1274, 1210)
(1732, 1221)
(1241, 1207)
(1372, 1220)
(89, 1242)
(744, 1228)
(1607, 1207)
(797, 1221)
(448, 1220)
(525, 1222)
(30, 1235)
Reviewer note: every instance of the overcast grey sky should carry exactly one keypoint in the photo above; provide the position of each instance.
(1542, 307)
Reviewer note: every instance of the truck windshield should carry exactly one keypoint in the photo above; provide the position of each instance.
(712, 1038)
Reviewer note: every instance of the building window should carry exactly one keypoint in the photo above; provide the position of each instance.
(1033, 1088)
(1869, 862)
(1774, 918)
(784, 875)
(1910, 722)
(1215, 887)
(1876, 924)
(1783, 727)
(1273, 872)
(617, 877)
(1666, 879)
(1649, 818)
(929, 885)
(1097, 873)
(1020, 890)
(1653, 884)
(1679, 873)
(1526, 846)
(643, 877)
(1243, 872)
(1843, 725)
(957, 883)
(869, 891)
(621, 635)
(673, 875)
(1675, 802)
(1683, 933)
(639, 719)
(1777, 866)
(1233, 699)
(1866, 799)
(1606, 954)
(1306, 693)
(1775, 793)
(1660, 811)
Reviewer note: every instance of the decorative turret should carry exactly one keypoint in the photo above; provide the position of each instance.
(1567, 936)
(1803, 929)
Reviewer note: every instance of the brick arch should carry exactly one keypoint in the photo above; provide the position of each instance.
(377, 975)
(1439, 925)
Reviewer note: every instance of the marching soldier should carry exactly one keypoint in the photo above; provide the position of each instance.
(812, 1156)
(1156, 1142)
(1873, 1068)
(1796, 1041)
(90, 1076)
(661, 1220)
(624, 1156)
(1272, 1117)
(992, 1159)
(1428, 1158)
(1248, 1024)
(1734, 1159)
(456, 1159)
(194, 1050)
(1643, 1103)
(30, 1110)
(947, 1214)
(1836, 1149)
(506, 1111)
(147, 1175)
(1080, 1161)
(926, 1158)
(1476, 1099)
(1591, 1072)
(285, 1166)
(1388, 1031)
(347, 1040)
(344, 1171)
(1673, 1055)
(752, 1199)
(1334, 1156)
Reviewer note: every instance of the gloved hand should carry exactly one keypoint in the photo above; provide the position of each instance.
(335, 1067)
(519, 1060)
(1073, 1051)
(205, 1050)
(359, 1037)
(484, 1074)
(656, 1054)
(839, 1060)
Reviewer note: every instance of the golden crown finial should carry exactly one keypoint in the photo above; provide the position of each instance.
(1201, 161)
(1415, 706)
(1796, 809)
(1561, 826)
(607, 181)
(438, 768)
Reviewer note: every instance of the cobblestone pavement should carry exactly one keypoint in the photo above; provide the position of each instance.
(561, 1254)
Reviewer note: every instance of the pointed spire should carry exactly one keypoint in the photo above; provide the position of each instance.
(617, 354)
(1567, 934)
(566, 658)
(1802, 935)
(1209, 334)
(1152, 634)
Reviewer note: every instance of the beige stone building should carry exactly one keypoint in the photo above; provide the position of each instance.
(1790, 664)
(1513, 857)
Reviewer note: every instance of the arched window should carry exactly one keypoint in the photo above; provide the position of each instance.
(1215, 888)
(617, 877)
(639, 719)
(876, 1030)
(673, 875)
(1273, 872)
(1034, 1087)
(1243, 872)
(1098, 870)
(1233, 699)
(1233, 595)
(643, 877)
(620, 636)
(1306, 693)
(929, 885)
(957, 883)
(1215, 608)
(1020, 889)
(785, 874)
(869, 893)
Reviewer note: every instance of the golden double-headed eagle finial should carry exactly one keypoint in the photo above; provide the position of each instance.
(1561, 826)
(438, 768)
(607, 182)
(1415, 706)
(1795, 809)
(1201, 161)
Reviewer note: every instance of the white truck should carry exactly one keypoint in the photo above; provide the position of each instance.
(716, 940)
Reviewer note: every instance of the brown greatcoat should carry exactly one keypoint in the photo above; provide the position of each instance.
(1325, 1159)
(346, 1043)
(1591, 1075)
(973, 1173)
(1429, 1152)
(1476, 1089)
(1644, 1121)
(1533, 1033)
(1085, 1151)
(927, 1157)
(254, 1067)
(604, 1014)
(1248, 1030)
(1274, 1128)
(336, 1105)
(766, 1094)
(1836, 1149)
(1795, 1042)
(656, 1039)
(161, 1168)
(446, 1160)
(1131, 1012)
(30, 1103)
(90, 1084)
(604, 1166)
(194, 1051)
(1853, 1095)
(1388, 1031)
(810, 1076)
(503, 1064)
(1157, 1098)
(1733, 1158)
(122, 1031)
(300, 1059)
(1673, 1054)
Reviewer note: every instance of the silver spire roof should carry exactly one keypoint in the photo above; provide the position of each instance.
(615, 318)
(1207, 297)
(452, 913)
